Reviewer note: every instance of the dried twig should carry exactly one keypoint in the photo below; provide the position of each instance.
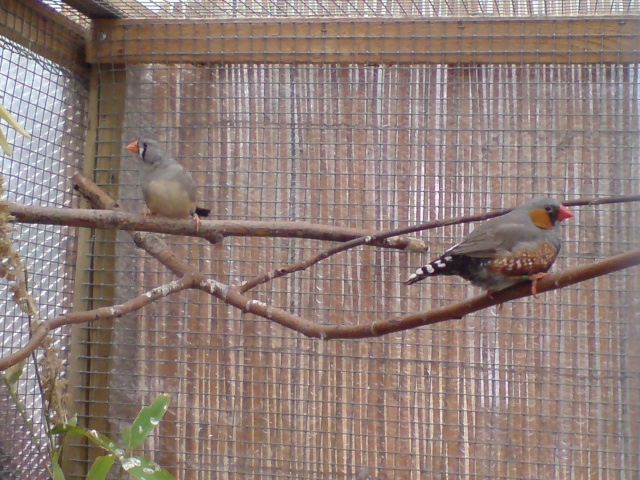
(115, 311)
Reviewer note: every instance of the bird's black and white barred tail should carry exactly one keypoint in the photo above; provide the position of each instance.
(445, 265)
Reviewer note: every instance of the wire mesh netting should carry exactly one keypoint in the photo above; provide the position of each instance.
(50, 104)
(541, 388)
(351, 8)
(528, 392)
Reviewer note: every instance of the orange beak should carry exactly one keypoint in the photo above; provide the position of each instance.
(563, 212)
(133, 148)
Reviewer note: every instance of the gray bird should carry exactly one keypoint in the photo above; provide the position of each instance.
(503, 251)
(167, 187)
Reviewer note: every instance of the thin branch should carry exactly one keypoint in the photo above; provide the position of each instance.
(304, 264)
(496, 213)
(216, 230)
(212, 230)
(579, 202)
(115, 311)
(233, 297)
(458, 310)
(191, 278)
(376, 238)
(158, 249)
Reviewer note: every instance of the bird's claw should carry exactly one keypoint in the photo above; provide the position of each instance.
(196, 219)
(534, 282)
(146, 213)
(490, 295)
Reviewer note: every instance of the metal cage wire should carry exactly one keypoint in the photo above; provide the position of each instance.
(51, 104)
(545, 388)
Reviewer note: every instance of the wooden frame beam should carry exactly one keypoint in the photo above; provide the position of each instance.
(94, 9)
(111, 9)
(45, 32)
(376, 41)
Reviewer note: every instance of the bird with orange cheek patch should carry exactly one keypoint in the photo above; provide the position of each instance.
(504, 251)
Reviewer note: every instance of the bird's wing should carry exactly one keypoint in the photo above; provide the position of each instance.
(500, 238)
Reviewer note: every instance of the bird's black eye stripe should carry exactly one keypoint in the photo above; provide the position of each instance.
(144, 150)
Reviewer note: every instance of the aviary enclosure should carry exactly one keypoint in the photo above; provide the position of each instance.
(307, 125)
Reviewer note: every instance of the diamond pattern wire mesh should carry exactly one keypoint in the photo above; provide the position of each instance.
(546, 388)
(50, 104)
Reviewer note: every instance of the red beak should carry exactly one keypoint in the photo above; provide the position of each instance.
(564, 213)
(133, 148)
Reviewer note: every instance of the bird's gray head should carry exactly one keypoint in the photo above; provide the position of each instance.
(544, 212)
(148, 150)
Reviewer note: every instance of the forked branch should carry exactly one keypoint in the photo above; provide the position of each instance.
(195, 280)
(191, 278)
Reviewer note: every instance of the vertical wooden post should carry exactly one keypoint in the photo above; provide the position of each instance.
(95, 273)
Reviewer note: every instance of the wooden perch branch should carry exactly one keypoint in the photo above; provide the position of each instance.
(212, 230)
(496, 213)
(378, 237)
(458, 310)
(116, 311)
(231, 296)
(191, 278)
(216, 230)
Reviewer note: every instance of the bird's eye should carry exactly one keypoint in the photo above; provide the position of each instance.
(144, 145)
(548, 208)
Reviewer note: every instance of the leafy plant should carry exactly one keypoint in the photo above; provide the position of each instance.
(133, 436)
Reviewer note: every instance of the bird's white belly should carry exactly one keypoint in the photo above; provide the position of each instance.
(168, 199)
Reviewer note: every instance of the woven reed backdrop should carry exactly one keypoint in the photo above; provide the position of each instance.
(389, 114)
(364, 121)
(543, 388)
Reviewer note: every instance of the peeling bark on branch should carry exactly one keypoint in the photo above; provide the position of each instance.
(212, 230)
(191, 278)
(377, 328)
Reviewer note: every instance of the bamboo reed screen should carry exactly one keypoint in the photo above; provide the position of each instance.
(543, 388)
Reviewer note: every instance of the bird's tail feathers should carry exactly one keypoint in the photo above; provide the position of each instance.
(445, 265)
(203, 212)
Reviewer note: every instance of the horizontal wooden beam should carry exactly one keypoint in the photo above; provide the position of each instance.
(45, 32)
(112, 9)
(375, 40)
(93, 9)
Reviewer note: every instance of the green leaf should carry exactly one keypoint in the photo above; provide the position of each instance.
(146, 421)
(144, 469)
(14, 372)
(126, 435)
(101, 467)
(59, 429)
(97, 438)
(56, 471)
